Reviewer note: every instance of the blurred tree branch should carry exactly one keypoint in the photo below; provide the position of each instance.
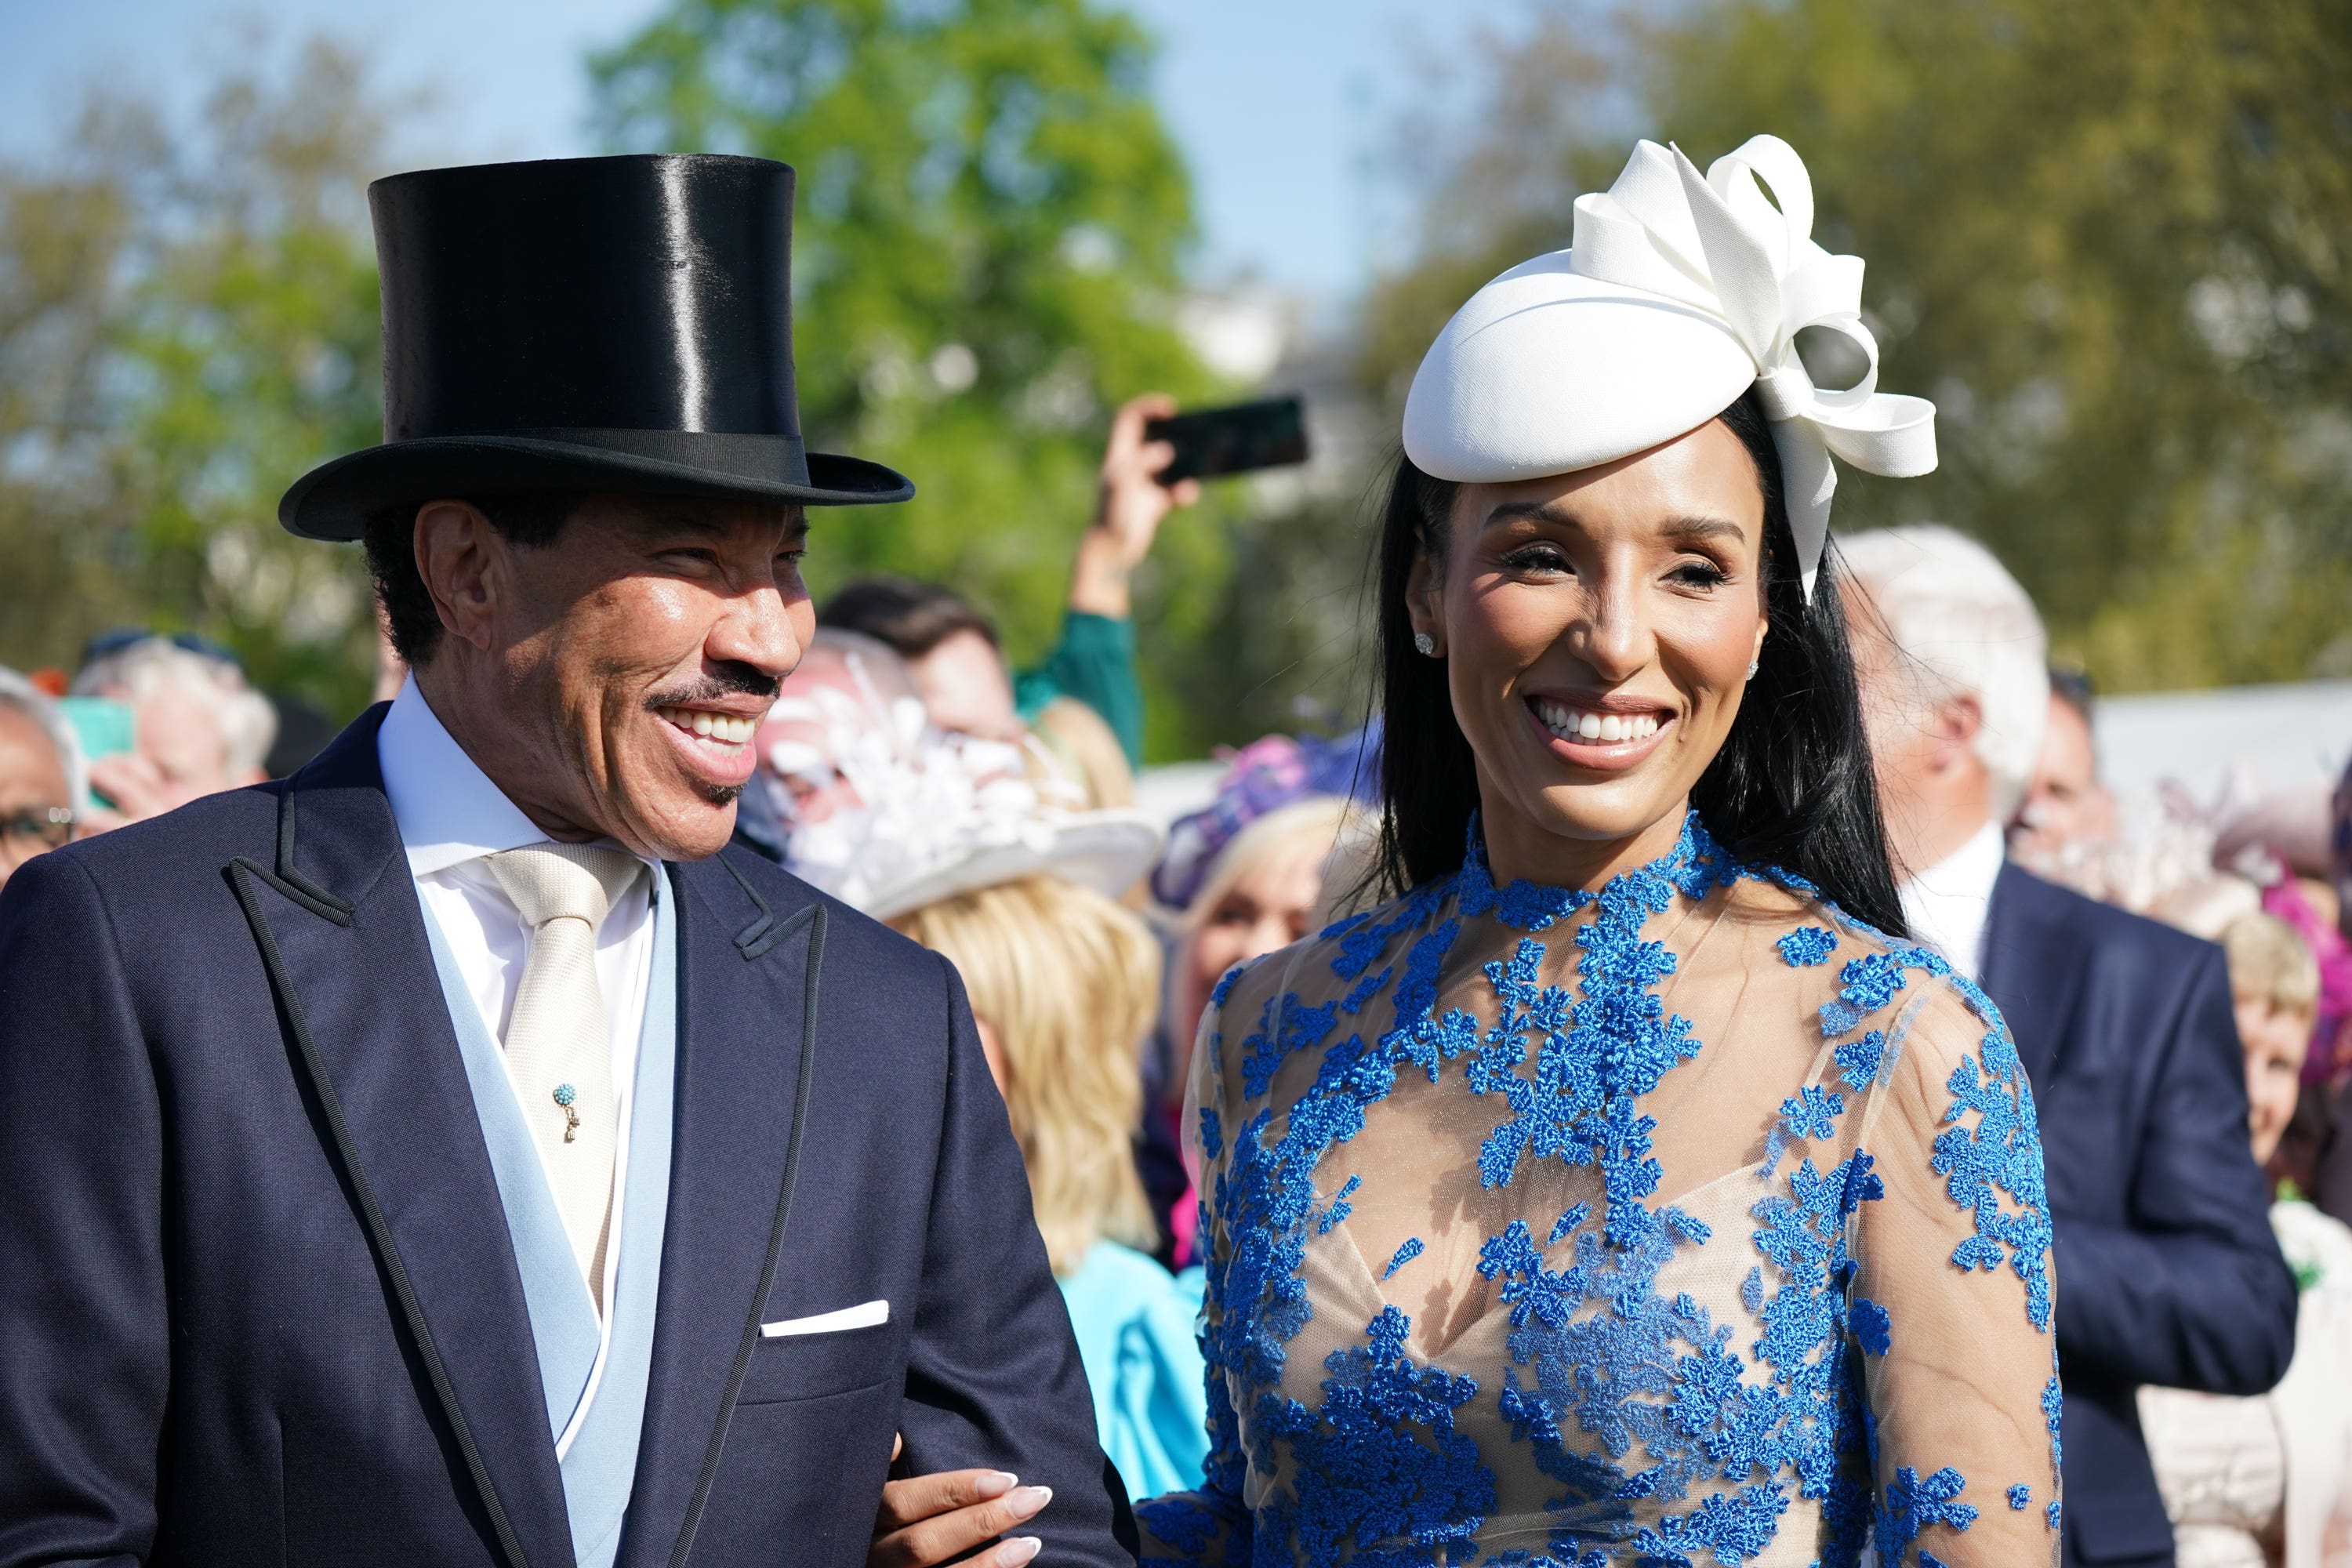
(187, 320)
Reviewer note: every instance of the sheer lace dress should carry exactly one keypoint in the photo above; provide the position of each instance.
(1688, 1222)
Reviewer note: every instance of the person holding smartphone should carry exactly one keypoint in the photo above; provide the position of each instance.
(951, 647)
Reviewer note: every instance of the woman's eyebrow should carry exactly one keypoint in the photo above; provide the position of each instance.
(1551, 512)
(1698, 528)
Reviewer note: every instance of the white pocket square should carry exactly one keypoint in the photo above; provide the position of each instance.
(863, 1316)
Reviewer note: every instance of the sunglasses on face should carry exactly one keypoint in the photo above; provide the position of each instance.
(31, 830)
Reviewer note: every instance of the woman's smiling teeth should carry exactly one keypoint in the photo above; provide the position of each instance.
(722, 730)
(1575, 724)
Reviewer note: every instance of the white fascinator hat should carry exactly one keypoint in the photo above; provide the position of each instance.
(1678, 292)
(870, 802)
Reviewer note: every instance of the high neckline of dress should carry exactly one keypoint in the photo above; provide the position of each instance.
(1693, 866)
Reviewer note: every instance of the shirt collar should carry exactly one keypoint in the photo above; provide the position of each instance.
(1945, 903)
(445, 807)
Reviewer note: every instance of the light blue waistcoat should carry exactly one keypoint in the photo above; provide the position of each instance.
(600, 1464)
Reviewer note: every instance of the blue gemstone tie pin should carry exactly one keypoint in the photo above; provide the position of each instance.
(565, 1095)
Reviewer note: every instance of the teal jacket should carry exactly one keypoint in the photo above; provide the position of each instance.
(1093, 662)
(1135, 1326)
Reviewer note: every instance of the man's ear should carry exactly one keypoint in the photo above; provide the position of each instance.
(1423, 602)
(1957, 721)
(463, 563)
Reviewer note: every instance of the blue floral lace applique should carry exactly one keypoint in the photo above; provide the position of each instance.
(1340, 1207)
(1274, 1039)
(1813, 1111)
(1913, 1504)
(1872, 1327)
(1404, 1255)
(1807, 946)
(1869, 983)
(2001, 1156)
(1390, 1466)
(2020, 1498)
(1862, 1058)
(2054, 1407)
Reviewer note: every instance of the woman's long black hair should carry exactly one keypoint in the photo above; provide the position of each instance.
(1792, 787)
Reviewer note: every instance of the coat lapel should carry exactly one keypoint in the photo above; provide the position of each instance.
(341, 933)
(2033, 968)
(746, 1016)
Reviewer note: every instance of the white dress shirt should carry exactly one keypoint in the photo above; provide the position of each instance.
(450, 816)
(1946, 904)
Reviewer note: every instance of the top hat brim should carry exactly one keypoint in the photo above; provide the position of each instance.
(334, 500)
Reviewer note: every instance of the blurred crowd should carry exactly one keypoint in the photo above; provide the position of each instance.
(990, 812)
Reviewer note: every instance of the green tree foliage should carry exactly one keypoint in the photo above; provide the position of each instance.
(2112, 241)
(188, 321)
(987, 248)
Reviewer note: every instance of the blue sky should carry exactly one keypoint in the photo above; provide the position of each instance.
(1284, 108)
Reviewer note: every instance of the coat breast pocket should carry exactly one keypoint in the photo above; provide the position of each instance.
(810, 1366)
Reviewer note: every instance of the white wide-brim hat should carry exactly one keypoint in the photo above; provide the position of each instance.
(1107, 851)
(1678, 293)
(886, 812)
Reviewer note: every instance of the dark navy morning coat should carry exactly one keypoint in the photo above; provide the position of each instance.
(257, 1303)
(2167, 1269)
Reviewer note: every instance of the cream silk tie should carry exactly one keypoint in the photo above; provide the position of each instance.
(559, 1039)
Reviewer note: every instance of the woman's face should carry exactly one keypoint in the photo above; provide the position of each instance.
(1270, 906)
(1597, 629)
(2275, 1038)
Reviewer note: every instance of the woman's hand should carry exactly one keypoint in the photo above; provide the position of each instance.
(1128, 509)
(928, 1519)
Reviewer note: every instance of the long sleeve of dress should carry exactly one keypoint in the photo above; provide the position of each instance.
(1951, 1306)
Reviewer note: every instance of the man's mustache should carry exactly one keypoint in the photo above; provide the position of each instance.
(729, 680)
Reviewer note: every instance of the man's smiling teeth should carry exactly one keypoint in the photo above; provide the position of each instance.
(1574, 724)
(723, 728)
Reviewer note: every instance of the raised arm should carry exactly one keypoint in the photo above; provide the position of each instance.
(1951, 1307)
(2193, 1292)
(993, 1376)
(84, 1311)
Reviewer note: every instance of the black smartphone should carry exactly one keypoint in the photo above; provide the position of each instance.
(1267, 434)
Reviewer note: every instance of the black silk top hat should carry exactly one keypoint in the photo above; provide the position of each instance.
(585, 324)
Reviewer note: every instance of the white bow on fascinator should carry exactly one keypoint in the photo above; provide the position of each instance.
(1677, 293)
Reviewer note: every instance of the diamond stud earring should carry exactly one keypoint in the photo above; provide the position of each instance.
(1751, 668)
(1425, 644)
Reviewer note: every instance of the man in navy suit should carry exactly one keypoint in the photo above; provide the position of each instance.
(2167, 1270)
(456, 1154)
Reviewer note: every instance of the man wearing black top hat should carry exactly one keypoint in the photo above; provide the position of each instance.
(455, 1152)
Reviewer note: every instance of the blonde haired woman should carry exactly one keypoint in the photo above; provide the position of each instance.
(1063, 983)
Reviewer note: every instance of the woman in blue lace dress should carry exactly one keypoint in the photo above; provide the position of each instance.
(1627, 1190)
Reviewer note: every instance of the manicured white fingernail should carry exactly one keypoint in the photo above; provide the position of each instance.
(1029, 1501)
(1019, 1550)
(995, 1484)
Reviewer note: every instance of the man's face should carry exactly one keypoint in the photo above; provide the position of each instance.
(2066, 804)
(1932, 787)
(625, 667)
(964, 688)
